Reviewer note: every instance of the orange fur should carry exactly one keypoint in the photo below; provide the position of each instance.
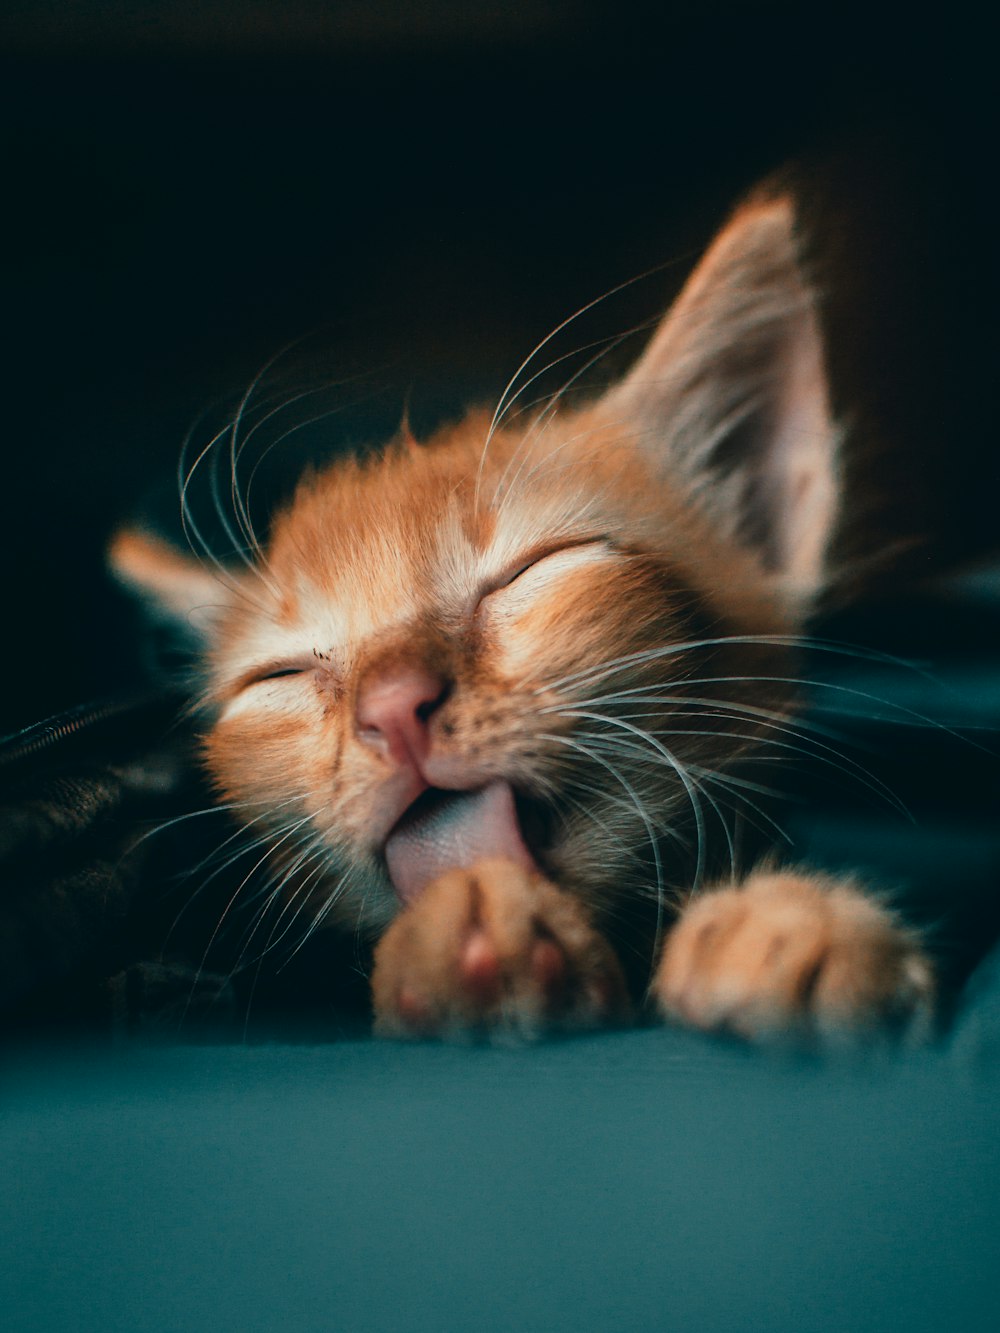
(507, 571)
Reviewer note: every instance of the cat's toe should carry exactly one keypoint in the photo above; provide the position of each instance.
(790, 955)
(494, 950)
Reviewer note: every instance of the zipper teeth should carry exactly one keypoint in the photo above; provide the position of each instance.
(41, 735)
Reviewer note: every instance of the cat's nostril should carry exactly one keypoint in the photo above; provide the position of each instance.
(429, 707)
(393, 710)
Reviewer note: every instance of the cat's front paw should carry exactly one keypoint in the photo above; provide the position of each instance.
(494, 950)
(793, 955)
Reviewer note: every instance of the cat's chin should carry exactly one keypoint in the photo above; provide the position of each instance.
(447, 830)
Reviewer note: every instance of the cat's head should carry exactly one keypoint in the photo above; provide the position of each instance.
(553, 640)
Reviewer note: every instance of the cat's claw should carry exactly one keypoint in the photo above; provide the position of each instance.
(794, 956)
(498, 951)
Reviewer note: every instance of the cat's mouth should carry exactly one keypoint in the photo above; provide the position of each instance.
(448, 830)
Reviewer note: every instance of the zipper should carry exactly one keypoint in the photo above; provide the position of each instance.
(52, 731)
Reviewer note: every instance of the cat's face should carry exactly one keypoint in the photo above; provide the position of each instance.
(552, 643)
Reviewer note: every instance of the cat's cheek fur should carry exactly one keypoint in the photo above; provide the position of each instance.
(301, 815)
(548, 635)
(281, 725)
(794, 955)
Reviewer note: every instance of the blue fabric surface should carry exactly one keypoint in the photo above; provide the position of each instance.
(645, 1180)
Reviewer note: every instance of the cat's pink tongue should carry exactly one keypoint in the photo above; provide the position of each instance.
(453, 832)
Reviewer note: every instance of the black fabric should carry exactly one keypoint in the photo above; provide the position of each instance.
(111, 848)
(76, 793)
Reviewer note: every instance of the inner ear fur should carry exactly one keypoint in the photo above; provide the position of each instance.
(175, 588)
(731, 398)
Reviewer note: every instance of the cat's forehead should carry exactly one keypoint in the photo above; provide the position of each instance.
(369, 546)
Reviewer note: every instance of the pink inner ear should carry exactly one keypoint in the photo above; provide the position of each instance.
(454, 833)
(799, 459)
(730, 397)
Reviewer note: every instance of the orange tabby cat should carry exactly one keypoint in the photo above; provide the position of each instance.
(490, 693)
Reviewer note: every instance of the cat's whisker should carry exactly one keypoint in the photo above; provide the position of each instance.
(267, 811)
(241, 546)
(527, 410)
(189, 525)
(725, 712)
(546, 416)
(560, 795)
(332, 898)
(606, 344)
(821, 754)
(693, 787)
(301, 895)
(239, 509)
(846, 763)
(237, 447)
(313, 850)
(507, 490)
(640, 810)
(809, 642)
(274, 847)
(678, 767)
(595, 818)
(508, 389)
(671, 693)
(509, 396)
(735, 789)
(241, 850)
(591, 677)
(274, 894)
(701, 707)
(239, 434)
(729, 780)
(547, 465)
(287, 434)
(552, 401)
(190, 814)
(602, 795)
(193, 533)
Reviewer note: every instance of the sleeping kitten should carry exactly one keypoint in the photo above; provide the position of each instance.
(492, 696)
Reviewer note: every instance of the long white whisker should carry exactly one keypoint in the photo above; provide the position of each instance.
(502, 402)
(639, 809)
(764, 640)
(315, 850)
(540, 424)
(734, 788)
(850, 767)
(689, 786)
(235, 895)
(319, 917)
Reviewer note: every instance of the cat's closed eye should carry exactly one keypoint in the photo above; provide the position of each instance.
(276, 671)
(550, 561)
(275, 685)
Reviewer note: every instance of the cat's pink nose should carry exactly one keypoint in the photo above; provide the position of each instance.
(393, 709)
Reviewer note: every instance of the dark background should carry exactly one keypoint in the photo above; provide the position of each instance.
(187, 188)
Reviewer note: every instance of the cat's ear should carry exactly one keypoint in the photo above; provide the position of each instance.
(177, 590)
(731, 397)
